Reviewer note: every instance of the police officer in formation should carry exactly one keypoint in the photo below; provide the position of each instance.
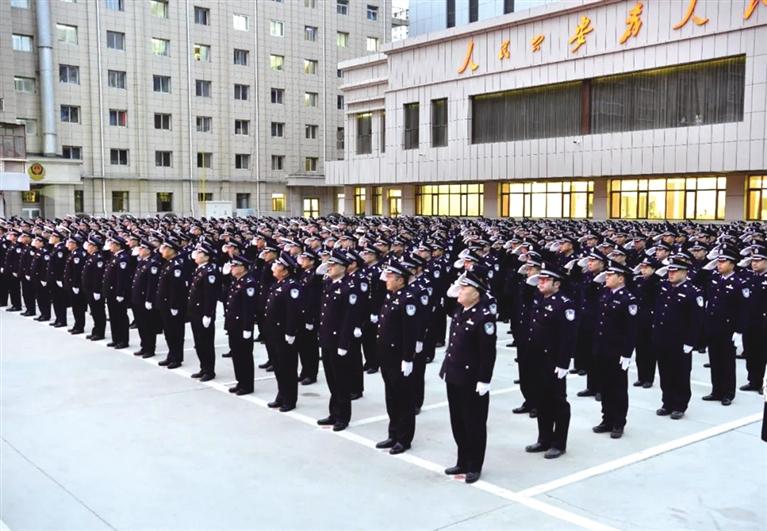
(201, 309)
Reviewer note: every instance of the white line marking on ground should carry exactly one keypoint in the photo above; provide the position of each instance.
(4, 526)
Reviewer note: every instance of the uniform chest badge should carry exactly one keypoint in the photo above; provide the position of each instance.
(699, 300)
(294, 293)
(250, 291)
(99, 264)
(436, 273)
(490, 328)
(18, 250)
(177, 273)
(410, 309)
(77, 260)
(548, 308)
(352, 299)
(153, 269)
(493, 308)
(364, 286)
(746, 293)
(60, 254)
(424, 299)
(570, 314)
(633, 309)
(337, 292)
(212, 279)
(47, 257)
(469, 322)
(123, 265)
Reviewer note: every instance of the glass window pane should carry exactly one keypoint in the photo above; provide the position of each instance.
(689, 211)
(754, 197)
(628, 205)
(675, 201)
(720, 204)
(657, 184)
(554, 205)
(538, 206)
(656, 205)
(628, 184)
(516, 206)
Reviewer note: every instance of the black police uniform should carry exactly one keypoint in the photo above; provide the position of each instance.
(419, 288)
(377, 294)
(73, 288)
(646, 291)
(170, 301)
(308, 343)
(203, 297)
(59, 296)
(40, 266)
(722, 319)
(283, 320)
(117, 287)
(584, 354)
(521, 309)
(240, 318)
(359, 279)
(754, 307)
(11, 267)
(143, 289)
(27, 283)
(91, 281)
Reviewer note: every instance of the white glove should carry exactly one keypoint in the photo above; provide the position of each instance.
(357, 332)
(407, 368)
(43, 284)
(341, 352)
(560, 372)
(289, 339)
(120, 299)
(418, 347)
(373, 318)
(97, 296)
(625, 363)
(16, 275)
(173, 312)
(309, 326)
(206, 321)
(687, 349)
(483, 388)
(737, 337)
(246, 334)
(148, 305)
(75, 290)
(59, 283)
(227, 268)
(26, 276)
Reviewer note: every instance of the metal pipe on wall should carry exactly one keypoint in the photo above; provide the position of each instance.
(45, 58)
(99, 75)
(189, 108)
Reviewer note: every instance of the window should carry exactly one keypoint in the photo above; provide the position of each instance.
(12, 142)
(204, 124)
(276, 28)
(310, 33)
(30, 125)
(342, 39)
(66, 34)
(700, 198)
(340, 203)
(202, 88)
(339, 73)
(310, 66)
(204, 160)
(203, 197)
(161, 84)
(241, 127)
(70, 113)
(278, 162)
(311, 207)
(115, 5)
(449, 200)
(202, 53)
(756, 195)
(411, 126)
(242, 161)
(310, 99)
(79, 201)
(120, 202)
(378, 200)
(240, 22)
(340, 102)
(550, 199)
(163, 159)
(242, 200)
(118, 157)
(116, 79)
(31, 196)
(158, 8)
(311, 131)
(383, 132)
(311, 4)
(72, 152)
(115, 40)
(241, 92)
(340, 139)
(276, 62)
(278, 202)
(22, 43)
(278, 129)
(364, 133)
(202, 16)
(359, 200)
(69, 74)
(240, 57)
(118, 118)
(342, 7)
(310, 164)
(162, 121)
(372, 44)
(395, 202)
(20, 4)
(164, 201)
(439, 122)
(160, 47)
(372, 13)
(278, 95)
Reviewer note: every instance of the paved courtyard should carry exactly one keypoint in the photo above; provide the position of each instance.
(94, 438)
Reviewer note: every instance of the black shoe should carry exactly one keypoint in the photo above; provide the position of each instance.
(139, 353)
(586, 392)
(207, 377)
(96, 338)
(76, 331)
(340, 426)
(581, 372)
(509, 345)
(439, 344)
(28, 313)
(710, 398)
(740, 356)
(521, 409)
(749, 387)
(472, 477)
(662, 412)
(240, 392)
(535, 448)
(13, 309)
(454, 470)
(164, 363)
(516, 382)
(616, 433)
(174, 365)
(399, 448)
(638, 383)
(707, 365)
(111, 344)
(198, 374)
(227, 355)
(233, 389)
(148, 355)
(553, 453)
(133, 325)
(533, 413)
(270, 368)
(372, 370)
(327, 421)
(726, 401)
(120, 346)
(308, 381)
(356, 396)
(573, 371)
(429, 359)
(388, 443)
(274, 404)
(418, 411)
(42, 318)
(601, 428)
(259, 339)
(264, 365)
(59, 325)
(646, 385)
(284, 408)
(598, 397)
(676, 415)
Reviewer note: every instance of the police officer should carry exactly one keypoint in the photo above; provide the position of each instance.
(72, 283)
(467, 370)
(589, 301)
(675, 333)
(239, 320)
(11, 266)
(420, 286)
(92, 283)
(395, 347)
(170, 301)
(29, 252)
(307, 342)
(143, 289)
(39, 269)
(754, 296)
(283, 319)
(58, 261)
(614, 341)
(646, 288)
(372, 271)
(520, 323)
(270, 250)
(201, 309)
(552, 333)
(117, 284)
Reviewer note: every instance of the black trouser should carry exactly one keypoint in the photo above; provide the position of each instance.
(615, 390)
(468, 420)
(419, 375)
(583, 347)
(28, 292)
(43, 295)
(79, 305)
(147, 326)
(59, 297)
(553, 408)
(369, 331)
(526, 384)
(338, 374)
(99, 316)
(242, 359)
(438, 324)
(674, 367)
(646, 356)
(4, 278)
(755, 350)
(118, 320)
(429, 343)
(14, 290)
(721, 357)
(204, 344)
(285, 360)
(354, 357)
(173, 328)
(309, 351)
(398, 392)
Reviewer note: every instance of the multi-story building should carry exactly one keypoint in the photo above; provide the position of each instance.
(628, 109)
(151, 106)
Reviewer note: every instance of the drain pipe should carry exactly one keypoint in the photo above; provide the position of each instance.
(45, 57)
(189, 109)
(101, 109)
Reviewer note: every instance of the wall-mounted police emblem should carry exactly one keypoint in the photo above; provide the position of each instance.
(410, 309)
(490, 328)
(212, 279)
(177, 273)
(250, 291)
(570, 314)
(633, 309)
(294, 293)
(699, 300)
